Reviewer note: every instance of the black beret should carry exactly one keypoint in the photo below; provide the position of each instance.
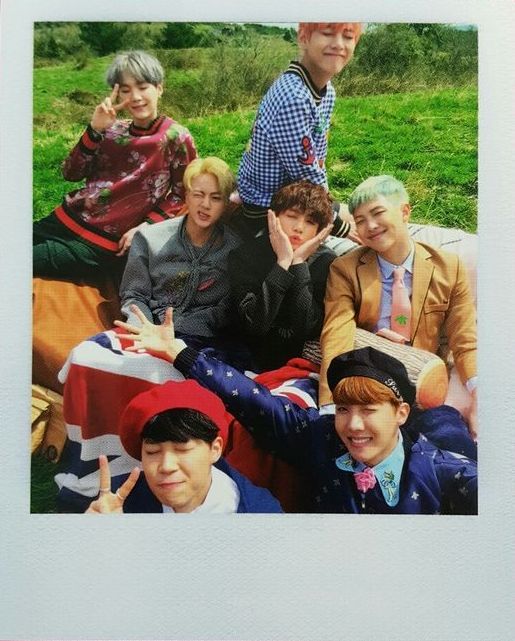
(372, 363)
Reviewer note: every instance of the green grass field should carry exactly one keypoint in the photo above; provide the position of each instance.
(428, 139)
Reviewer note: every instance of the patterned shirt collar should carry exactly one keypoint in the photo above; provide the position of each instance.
(149, 130)
(387, 268)
(299, 69)
(388, 472)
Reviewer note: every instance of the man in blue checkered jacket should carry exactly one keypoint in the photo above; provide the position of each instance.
(289, 136)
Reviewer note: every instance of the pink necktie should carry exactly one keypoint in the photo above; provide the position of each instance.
(400, 320)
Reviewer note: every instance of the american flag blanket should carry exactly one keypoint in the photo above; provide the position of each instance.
(100, 378)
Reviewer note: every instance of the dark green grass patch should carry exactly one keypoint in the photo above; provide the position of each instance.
(427, 139)
(54, 85)
(43, 489)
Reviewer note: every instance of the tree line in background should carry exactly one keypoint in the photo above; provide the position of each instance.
(58, 40)
(390, 57)
(407, 102)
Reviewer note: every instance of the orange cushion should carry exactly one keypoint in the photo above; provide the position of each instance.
(64, 314)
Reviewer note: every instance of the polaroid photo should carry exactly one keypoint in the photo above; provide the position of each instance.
(435, 113)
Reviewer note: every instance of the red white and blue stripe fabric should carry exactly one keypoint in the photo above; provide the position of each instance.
(100, 378)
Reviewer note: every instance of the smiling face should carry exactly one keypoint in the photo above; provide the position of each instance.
(326, 52)
(179, 474)
(370, 432)
(382, 226)
(143, 97)
(299, 227)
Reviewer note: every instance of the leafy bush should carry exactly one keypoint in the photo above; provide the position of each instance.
(179, 35)
(56, 41)
(236, 74)
(390, 50)
(103, 37)
(401, 57)
(389, 58)
(179, 59)
(142, 35)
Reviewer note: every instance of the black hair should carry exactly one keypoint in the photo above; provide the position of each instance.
(179, 425)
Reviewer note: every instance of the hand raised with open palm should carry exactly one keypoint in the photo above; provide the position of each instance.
(157, 340)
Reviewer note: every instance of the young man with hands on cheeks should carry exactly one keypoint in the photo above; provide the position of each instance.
(133, 171)
(362, 459)
(178, 431)
(278, 279)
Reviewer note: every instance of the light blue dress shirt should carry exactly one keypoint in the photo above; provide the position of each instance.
(387, 472)
(386, 268)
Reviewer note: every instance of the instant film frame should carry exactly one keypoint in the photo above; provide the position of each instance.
(313, 577)
(64, 96)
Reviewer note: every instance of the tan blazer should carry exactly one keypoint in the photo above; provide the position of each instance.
(441, 305)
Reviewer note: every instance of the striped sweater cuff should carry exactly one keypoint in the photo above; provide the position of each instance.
(173, 210)
(90, 140)
(156, 216)
(341, 228)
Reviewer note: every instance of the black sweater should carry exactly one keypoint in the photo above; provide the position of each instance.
(278, 309)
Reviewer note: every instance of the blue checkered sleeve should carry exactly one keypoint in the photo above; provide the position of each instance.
(289, 141)
(300, 150)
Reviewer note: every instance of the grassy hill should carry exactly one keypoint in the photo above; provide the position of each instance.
(427, 139)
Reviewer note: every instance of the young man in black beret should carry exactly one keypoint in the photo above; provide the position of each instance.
(362, 459)
(406, 291)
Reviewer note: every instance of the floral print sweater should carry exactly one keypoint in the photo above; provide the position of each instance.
(132, 175)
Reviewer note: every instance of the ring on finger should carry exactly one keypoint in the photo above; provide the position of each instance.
(122, 498)
(105, 490)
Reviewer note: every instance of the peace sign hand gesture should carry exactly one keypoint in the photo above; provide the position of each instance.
(109, 502)
(105, 113)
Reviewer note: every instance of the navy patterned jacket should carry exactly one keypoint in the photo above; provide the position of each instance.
(433, 480)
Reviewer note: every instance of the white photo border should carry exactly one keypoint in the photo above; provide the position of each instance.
(263, 577)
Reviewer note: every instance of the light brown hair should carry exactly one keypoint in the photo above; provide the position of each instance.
(306, 198)
(361, 390)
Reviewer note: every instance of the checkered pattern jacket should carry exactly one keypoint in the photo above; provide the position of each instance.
(289, 137)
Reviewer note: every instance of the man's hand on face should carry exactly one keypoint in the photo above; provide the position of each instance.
(309, 247)
(279, 241)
